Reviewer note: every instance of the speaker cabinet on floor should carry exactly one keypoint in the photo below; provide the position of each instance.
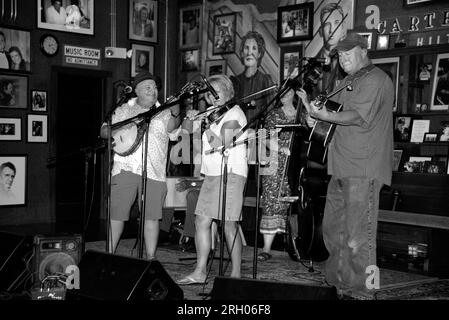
(53, 254)
(250, 289)
(106, 276)
(16, 252)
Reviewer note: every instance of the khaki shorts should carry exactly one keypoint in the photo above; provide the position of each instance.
(209, 200)
(126, 188)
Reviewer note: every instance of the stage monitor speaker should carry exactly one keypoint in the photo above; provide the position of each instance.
(16, 252)
(251, 289)
(53, 254)
(105, 276)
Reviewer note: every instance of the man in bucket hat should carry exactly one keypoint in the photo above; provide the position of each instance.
(126, 180)
(360, 158)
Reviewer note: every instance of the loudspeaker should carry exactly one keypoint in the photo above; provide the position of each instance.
(16, 252)
(251, 289)
(53, 254)
(105, 276)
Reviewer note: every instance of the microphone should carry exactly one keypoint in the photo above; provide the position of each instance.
(127, 88)
(325, 61)
(211, 89)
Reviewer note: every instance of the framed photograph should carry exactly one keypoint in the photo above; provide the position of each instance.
(369, 38)
(191, 60)
(39, 100)
(391, 67)
(13, 172)
(13, 91)
(419, 129)
(444, 131)
(328, 13)
(443, 159)
(410, 3)
(295, 22)
(190, 27)
(62, 15)
(383, 41)
(430, 137)
(15, 52)
(215, 67)
(416, 164)
(397, 156)
(440, 89)
(10, 129)
(142, 59)
(143, 20)
(290, 61)
(224, 33)
(402, 128)
(37, 128)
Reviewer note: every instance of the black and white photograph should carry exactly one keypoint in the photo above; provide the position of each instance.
(291, 62)
(440, 90)
(224, 33)
(391, 67)
(402, 129)
(15, 51)
(215, 67)
(37, 128)
(190, 60)
(39, 100)
(10, 129)
(13, 172)
(76, 16)
(142, 59)
(295, 22)
(190, 24)
(143, 20)
(13, 91)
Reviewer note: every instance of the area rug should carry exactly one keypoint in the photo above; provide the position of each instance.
(394, 285)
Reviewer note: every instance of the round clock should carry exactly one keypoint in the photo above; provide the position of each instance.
(49, 45)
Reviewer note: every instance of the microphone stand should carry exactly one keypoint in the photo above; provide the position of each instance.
(225, 155)
(284, 88)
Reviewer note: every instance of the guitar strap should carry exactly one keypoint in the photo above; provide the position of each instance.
(354, 77)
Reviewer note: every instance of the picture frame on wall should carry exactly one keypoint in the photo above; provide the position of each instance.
(142, 59)
(66, 17)
(290, 61)
(214, 67)
(295, 22)
(143, 20)
(14, 91)
(37, 128)
(444, 132)
(15, 51)
(411, 3)
(440, 88)
(39, 100)
(10, 129)
(397, 156)
(430, 137)
(190, 27)
(383, 41)
(369, 38)
(190, 60)
(402, 128)
(391, 67)
(13, 193)
(224, 33)
(343, 16)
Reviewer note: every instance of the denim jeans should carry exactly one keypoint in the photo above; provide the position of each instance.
(349, 231)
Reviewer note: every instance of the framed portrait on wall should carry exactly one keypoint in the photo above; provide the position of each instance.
(10, 129)
(224, 33)
(391, 67)
(14, 91)
(64, 16)
(13, 169)
(15, 54)
(411, 3)
(402, 128)
(190, 27)
(369, 38)
(142, 59)
(331, 19)
(37, 128)
(295, 22)
(440, 88)
(290, 61)
(143, 20)
(39, 100)
(190, 60)
(215, 67)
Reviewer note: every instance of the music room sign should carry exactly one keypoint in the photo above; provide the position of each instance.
(81, 57)
(417, 25)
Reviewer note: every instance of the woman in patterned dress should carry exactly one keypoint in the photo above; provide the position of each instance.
(275, 212)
